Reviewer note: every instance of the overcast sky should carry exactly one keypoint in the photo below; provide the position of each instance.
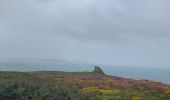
(116, 32)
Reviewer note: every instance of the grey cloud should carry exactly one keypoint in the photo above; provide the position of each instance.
(125, 32)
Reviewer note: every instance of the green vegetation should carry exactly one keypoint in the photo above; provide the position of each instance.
(77, 86)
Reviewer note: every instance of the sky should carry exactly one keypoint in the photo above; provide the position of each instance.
(114, 32)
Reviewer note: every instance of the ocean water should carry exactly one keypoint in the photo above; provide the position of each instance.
(160, 75)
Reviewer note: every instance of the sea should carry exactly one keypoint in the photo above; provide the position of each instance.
(132, 72)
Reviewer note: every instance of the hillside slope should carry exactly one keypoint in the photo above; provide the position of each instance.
(49, 85)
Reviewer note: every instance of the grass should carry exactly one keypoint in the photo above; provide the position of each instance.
(52, 85)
